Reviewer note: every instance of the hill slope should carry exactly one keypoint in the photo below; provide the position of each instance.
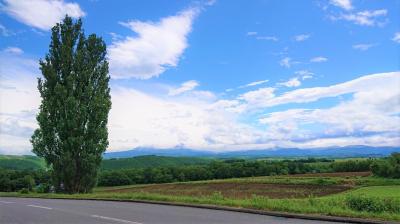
(332, 152)
(34, 162)
(150, 161)
(21, 162)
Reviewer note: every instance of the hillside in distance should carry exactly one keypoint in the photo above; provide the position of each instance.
(21, 162)
(331, 152)
(151, 161)
(34, 162)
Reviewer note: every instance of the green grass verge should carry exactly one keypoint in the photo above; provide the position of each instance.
(335, 205)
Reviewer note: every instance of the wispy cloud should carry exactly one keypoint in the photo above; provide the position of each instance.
(261, 37)
(363, 47)
(301, 37)
(251, 33)
(304, 74)
(41, 14)
(344, 4)
(254, 83)
(365, 18)
(293, 82)
(185, 87)
(319, 59)
(13, 50)
(396, 37)
(287, 62)
(272, 38)
(5, 32)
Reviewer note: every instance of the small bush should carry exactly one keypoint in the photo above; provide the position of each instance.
(43, 188)
(324, 181)
(217, 196)
(372, 204)
(24, 191)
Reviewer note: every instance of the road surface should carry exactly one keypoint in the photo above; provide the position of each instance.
(46, 211)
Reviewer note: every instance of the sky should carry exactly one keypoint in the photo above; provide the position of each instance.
(219, 75)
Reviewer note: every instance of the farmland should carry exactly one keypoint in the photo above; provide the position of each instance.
(361, 188)
(337, 194)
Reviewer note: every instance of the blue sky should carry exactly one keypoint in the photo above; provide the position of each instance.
(220, 75)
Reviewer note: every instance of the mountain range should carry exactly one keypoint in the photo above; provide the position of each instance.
(348, 151)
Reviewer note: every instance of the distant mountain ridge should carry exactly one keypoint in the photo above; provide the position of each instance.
(347, 151)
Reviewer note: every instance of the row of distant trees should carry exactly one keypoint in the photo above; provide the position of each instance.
(227, 169)
(11, 180)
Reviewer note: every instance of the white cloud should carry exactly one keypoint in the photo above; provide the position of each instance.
(251, 33)
(254, 83)
(344, 4)
(302, 37)
(19, 102)
(271, 38)
(372, 110)
(13, 50)
(396, 37)
(293, 82)
(363, 47)
(185, 87)
(365, 18)
(304, 74)
(306, 95)
(137, 118)
(256, 96)
(41, 14)
(319, 59)
(5, 32)
(156, 47)
(200, 120)
(286, 62)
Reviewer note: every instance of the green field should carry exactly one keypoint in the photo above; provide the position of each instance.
(355, 194)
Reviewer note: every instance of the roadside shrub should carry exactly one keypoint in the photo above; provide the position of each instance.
(43, 188)
(372, 204)
(389, 167)
(217, 196)
(24, 191)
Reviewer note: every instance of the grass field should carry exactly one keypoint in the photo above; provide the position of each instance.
(355, 194)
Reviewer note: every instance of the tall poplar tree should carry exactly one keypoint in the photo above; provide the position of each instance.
(73, 114)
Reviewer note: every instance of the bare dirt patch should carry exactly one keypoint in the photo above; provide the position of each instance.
(237, 190)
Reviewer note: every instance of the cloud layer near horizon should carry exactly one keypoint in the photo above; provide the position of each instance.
(367, 113)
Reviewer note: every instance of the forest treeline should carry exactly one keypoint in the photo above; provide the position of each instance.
(40, 180)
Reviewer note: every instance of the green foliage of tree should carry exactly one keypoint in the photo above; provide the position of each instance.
(389, 167)
(73, 114)
(223, 169)
(352, 165)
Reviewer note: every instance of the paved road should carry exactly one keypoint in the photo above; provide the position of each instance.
(46, 211)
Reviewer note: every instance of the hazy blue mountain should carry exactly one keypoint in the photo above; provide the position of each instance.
(348, 151)
(158, 152)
